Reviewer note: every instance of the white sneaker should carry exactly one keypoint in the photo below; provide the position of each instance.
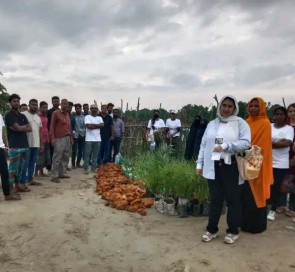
(231, 238)
(271, 215)
(207, 236)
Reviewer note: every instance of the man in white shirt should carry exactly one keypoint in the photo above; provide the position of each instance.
(35, 143)
(173, 129)
(93, 124)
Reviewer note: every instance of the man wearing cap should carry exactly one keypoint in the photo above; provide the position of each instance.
(93, 123)
(173, 129)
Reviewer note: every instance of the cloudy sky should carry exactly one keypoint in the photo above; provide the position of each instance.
(172, 52)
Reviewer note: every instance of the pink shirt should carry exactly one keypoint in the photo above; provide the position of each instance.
(44, 129)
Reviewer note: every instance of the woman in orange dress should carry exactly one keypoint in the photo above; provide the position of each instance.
(256, 192)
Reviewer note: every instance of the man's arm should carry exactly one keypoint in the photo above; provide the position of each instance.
(52, 128)
(94, 126)
(41, 141)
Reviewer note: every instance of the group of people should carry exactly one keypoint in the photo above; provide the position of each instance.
(247, 200)
(40, 138)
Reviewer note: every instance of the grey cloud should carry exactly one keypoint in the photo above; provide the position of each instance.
(263, 74)
(186, 80)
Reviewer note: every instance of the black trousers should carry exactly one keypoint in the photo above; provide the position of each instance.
(276, 195)
(4, 172)
(225, 187)
(115, 148)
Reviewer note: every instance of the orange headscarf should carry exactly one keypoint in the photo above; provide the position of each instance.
(261, 136)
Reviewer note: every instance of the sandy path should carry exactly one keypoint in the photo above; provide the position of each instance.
(66, 228)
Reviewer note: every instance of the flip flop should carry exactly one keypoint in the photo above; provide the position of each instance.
(23, 189)
(13, 197)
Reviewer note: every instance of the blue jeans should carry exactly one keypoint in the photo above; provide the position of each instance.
(104, 152)
(28, 173)
(77, 146)
(91, 149)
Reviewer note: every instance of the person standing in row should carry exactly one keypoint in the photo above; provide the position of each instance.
(110, 107)
(93, 125)
(17, 126)
(107, 135)
(255, 193)
(23, 107)
(44, 158)
(118, 133)
(282, 139)
(291, 122)
(85, 109)
(55, 106)
(35, 143)
(155, 129)
(3, 164)
(173, 127)
(79, 136)
(61, 140)
(225, 136)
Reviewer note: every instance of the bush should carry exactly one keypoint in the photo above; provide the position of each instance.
(163, 174)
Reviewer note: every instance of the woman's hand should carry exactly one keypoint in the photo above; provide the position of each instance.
(199, 172)
(218, 149)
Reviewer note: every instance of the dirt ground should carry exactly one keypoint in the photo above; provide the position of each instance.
(66, 228)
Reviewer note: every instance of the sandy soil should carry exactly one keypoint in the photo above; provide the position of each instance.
(66, 228)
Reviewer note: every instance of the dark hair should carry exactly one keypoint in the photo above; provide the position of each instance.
(116, 110)
(33, 100)
(104, 105)
(282, 109)
(86, 104)
(54, 98)
(291, 106)
(78, 105)
(42, 103)
(230, 99)
(154, 119)
(23, 104)
(13, 96)
(71, 104)
(110, 104)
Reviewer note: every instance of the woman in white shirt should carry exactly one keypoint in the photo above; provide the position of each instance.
(225, 136)
(155, 129)
(282, 137)
(173, 129)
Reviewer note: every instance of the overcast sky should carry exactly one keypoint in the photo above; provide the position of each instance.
(173, 52)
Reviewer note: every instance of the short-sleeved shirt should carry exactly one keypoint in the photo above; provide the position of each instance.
(173, 125)
(158, 125)
(106, 131)
(60, 125)
(92, 135)
(280, 156)
(16, 139)
(2, 124)
(36, 124)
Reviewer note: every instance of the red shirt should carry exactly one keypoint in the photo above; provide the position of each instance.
(60, 124)
(44, 128)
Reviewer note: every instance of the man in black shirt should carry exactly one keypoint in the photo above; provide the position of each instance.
(55, 106)
(17, 127)
(107, 134)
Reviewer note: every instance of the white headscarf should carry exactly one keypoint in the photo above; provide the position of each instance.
(234, 116)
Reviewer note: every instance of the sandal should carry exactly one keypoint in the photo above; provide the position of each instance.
(23, 189)
(290, 213)
(12, 197)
